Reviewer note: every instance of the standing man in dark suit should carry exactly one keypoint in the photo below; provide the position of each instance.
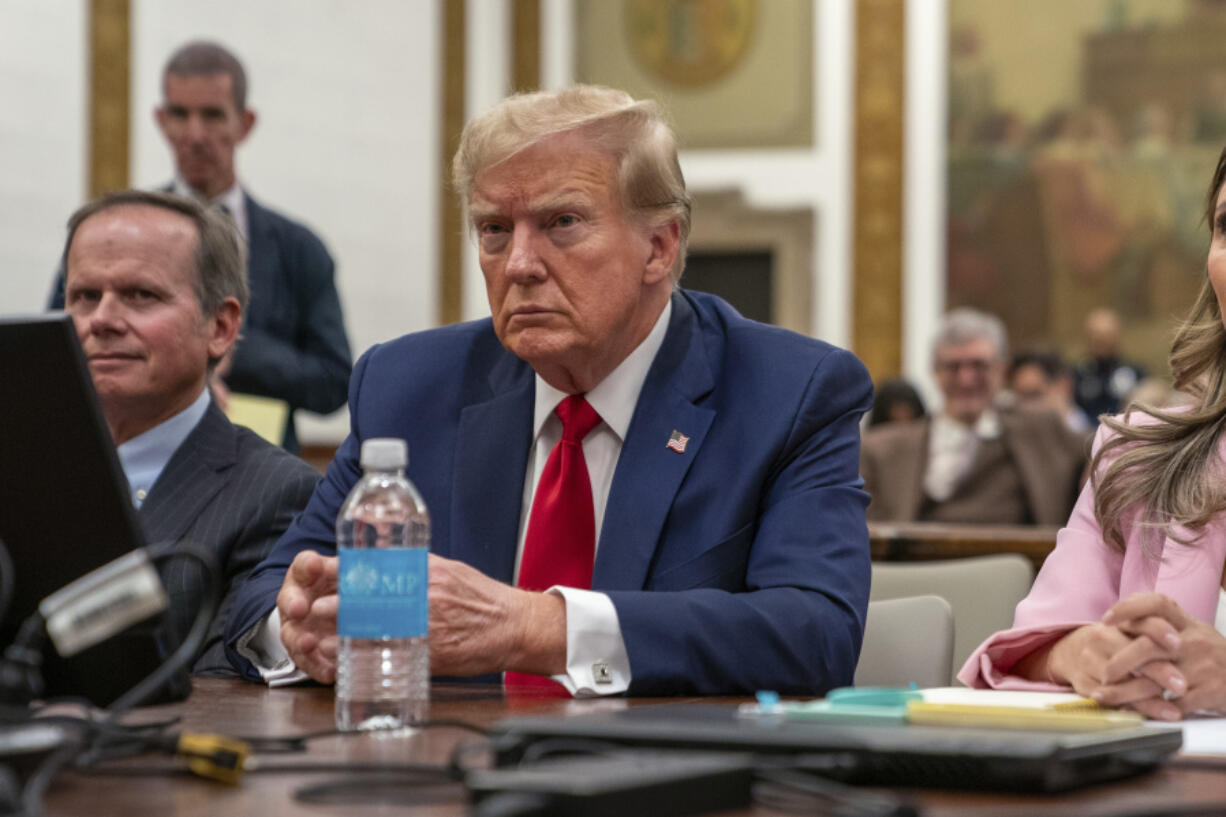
(294, 343)
(156, 288)
(974, 461)
(1104, 381)
(711, 538)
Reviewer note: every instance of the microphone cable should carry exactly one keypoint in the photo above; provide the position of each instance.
(88, 739)
(186, 652)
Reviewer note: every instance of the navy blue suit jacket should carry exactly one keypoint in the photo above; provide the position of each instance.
(293, 345)
(740, 564)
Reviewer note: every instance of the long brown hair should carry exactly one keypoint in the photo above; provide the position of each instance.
(1167, 467)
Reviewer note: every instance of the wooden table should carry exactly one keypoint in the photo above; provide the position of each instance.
(237, 708)
(923, 541)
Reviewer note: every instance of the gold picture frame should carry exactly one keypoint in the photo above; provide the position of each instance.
(731, 73)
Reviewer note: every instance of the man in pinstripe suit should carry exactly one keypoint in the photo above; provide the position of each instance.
(156, 288)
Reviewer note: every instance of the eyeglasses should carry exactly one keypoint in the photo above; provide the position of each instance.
(979, 366)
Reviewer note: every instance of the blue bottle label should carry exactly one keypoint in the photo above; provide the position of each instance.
(382, 593)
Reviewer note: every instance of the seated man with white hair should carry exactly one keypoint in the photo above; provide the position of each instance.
(973, 461)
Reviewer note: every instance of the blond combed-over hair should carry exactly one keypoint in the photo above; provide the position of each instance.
(632, 131)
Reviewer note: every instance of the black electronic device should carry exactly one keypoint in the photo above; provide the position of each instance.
(889, 755)
(64, 503)
(612, 784)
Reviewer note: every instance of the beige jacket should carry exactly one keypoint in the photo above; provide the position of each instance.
(1049, 458)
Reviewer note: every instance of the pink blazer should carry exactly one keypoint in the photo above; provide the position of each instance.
(1083, 577)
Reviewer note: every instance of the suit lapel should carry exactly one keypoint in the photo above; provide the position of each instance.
(911, 466)
(490, 460)
(261, 248)
(1035, 473)
(192, 477)
(649, 473)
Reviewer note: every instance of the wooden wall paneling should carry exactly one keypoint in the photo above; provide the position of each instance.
(877, 242)
(110, 95)
(526, 46)
(451, 222)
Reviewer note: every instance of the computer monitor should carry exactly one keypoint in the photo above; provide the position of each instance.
(64, 503)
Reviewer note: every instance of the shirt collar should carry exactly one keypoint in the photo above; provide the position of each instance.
(987, 427)
(232, 200)
(144, 457)
(615, 397)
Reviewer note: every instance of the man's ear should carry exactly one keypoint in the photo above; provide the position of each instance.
(247, 121)
(223, 327)
(665, 243)
(159, 116)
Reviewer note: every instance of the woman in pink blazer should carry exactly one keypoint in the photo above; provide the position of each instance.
(1124, 608)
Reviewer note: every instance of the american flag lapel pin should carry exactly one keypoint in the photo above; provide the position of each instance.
(677, 441)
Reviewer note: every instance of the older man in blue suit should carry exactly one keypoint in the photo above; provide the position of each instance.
(722, 544)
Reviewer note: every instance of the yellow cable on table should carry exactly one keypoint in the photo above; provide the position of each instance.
(216, 757)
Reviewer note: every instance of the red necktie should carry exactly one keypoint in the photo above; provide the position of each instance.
(560, 545)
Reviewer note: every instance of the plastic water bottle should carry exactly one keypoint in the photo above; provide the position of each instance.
(382, 537)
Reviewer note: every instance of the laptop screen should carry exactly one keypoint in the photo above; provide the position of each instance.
(65, 507)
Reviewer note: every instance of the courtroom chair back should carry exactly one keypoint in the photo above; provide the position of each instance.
(982, 590)
(907, 640)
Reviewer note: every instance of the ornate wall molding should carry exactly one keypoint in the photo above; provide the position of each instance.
(451, 221)
(877, 242)
(526, 46)
(110, 95)
(725, 222)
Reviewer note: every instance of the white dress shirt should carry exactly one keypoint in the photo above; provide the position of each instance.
(952, 447)
(232, 200)
(144, 457)
(596, 658)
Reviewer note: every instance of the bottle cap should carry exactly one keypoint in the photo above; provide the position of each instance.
(384, 453)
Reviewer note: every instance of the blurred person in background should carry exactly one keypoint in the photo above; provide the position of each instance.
(896, 401)
(1104, 379)
(294, 346)
(1041, 379)
(972, 462)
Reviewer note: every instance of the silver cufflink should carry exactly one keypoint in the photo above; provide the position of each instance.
(602, 673)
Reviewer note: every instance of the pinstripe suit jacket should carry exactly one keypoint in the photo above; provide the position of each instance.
(294, 346)
(226, 489)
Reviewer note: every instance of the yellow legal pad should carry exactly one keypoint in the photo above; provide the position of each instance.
(1064, 719)
(265, 416)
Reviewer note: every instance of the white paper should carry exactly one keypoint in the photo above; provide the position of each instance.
(996, 697)
(1203, 736)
